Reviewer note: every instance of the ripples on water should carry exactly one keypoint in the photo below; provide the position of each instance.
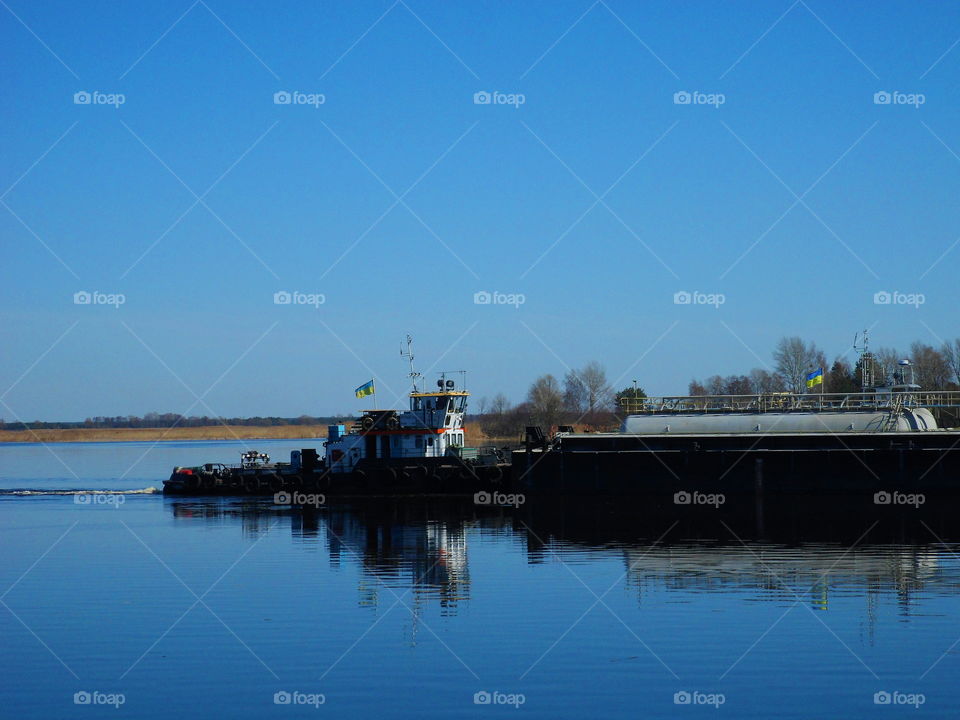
(409, 609)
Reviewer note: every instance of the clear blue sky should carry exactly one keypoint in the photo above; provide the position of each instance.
(103, 198)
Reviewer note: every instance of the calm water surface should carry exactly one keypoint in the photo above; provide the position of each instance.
(227, 608)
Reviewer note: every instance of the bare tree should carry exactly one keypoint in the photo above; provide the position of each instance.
(574, 392)
(546, 401)
(951, 353)
(886, 363)
(737, 385)
(594, 379)
(764, 381)
(498, 422)
(932, 371)
(500, 404)
(794, 358)
(715, 385)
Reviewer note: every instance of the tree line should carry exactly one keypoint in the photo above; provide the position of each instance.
(585, 398)
(169, 420)
(794, 358)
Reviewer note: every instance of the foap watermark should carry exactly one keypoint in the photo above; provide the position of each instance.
(498, 498)
(884, 97)
(295, 97)
(884, 297)
(695, 697)
(282, 297)
(295, 697)
(898, 498)
(696, 497)
(899, 698)
(114, 499)
(483, 697)
(683, 297)
(84, 297)
(482, 97)
(482, 297)
(95, 697)
(83, 97)
(682, 97)
(298, 498)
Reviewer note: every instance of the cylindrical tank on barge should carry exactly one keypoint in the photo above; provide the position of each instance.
(904, 420)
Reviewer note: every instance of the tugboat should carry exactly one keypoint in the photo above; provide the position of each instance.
(417, 451)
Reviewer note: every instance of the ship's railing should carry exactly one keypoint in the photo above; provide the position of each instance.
(786, 402)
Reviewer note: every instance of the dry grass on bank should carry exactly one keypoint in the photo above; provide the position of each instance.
(212, 432)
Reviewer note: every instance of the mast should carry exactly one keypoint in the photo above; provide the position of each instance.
(867, 364)
(408, 354)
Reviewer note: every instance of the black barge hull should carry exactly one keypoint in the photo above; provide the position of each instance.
(792, 463)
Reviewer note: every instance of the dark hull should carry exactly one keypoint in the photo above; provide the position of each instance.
(425, 476)
(798, 463)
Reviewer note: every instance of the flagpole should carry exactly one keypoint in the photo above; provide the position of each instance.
(374, 386)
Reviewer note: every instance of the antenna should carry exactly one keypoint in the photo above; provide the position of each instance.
(408, 354)
(867, 369)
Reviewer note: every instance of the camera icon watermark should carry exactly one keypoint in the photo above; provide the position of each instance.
(884, 97)
(896, 697)
(295, 697)
(684, 297)
(696, 497)
(295, 97)
(283, 297)
(484, 297)
(695, 697)
(84, 297)
(83, 97)
(298, 498)
(483, 697)
(683, 97)
(95, 697)
(100, 498)
(885, 297)
(899, 498)
(482, 97)
(499, 499)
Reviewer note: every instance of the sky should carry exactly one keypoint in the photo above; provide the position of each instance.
(667, 188)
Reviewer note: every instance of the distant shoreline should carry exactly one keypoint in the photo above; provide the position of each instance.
(206, 432)
(211, 432)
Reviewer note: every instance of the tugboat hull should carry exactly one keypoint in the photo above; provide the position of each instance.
(423, 476)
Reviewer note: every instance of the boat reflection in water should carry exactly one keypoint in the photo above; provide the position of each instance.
(398, 544)
(802, 552)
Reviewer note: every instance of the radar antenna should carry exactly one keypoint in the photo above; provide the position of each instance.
(408, 354)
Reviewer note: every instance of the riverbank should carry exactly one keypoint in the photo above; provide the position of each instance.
(212, 432)
(207, 432)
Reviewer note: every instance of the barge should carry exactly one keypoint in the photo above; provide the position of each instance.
(385, 452)
(884, 440)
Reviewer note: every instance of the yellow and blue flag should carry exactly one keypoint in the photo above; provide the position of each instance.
(365, 389)
(815, 378)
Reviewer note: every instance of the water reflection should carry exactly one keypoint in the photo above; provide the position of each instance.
(806, 554)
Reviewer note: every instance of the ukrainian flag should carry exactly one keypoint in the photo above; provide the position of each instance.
(364, 390)
(815, 378)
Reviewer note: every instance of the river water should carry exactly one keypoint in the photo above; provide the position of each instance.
(119, 602)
